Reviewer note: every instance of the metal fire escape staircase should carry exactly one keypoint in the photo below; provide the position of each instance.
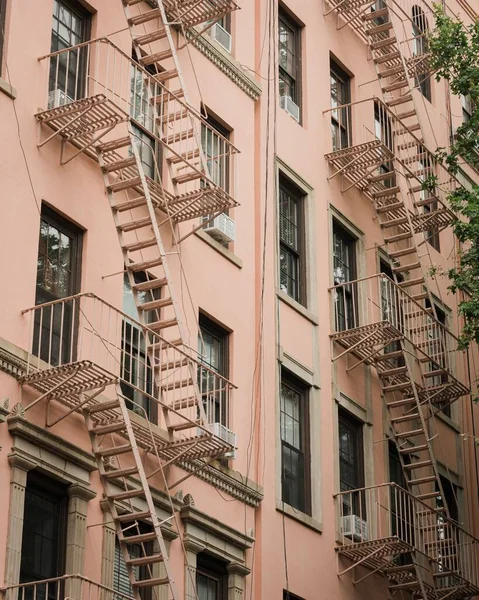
(144, 212)
(414, 386)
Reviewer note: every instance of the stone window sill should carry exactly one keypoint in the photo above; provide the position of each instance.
(299, 516)
(299, 308)
(7, 89)
(219, 248)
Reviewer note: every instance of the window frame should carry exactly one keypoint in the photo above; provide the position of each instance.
(303, 390)
(350, 298)
(209, 566)
(3, 33)
(420, 27)
(337, 73)
(290, 22)
(346, 418)
(225, 132)
(296, 194)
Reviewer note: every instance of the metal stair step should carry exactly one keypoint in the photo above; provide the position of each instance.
(148, 38)
(132, 225)
(408, 129)
(109, 428)
(388, 356)
(133, 516)
(184, 157)
(130, 204)
(180, 136)
(404, 418)
(396, 86)
(150, 59)
(375, 14)
(177, 384)
(414, 449)
(166, 346)
(403, 252)
(400, 100)
(408, 267)
(156, 304)
(388, 207)
(184, 403)
(413, 583)
(173, 364)
(145, 17)
(391, 71)
(151, 582)
(418, 313)
(145, 265)
(102, 406)
(398, 237)
(127, 495)
(410, 282)
(397, 386)
(391, 372)
(425, 201)
(124, 184)
(138, 539)
(406, 115)
(394, 222)
(119, 473)
(168, 97)
(427, 497)
(387, 57)
(387, 192)
(123, 449)
(399, 569)
(411, 433)
(166, 75)
(184, 426)
(152, 284)
(379, 28)
(407, 145)
(187, 177)
(421, 480)
(418, 465)
(420, 296)
(160, 325)
(435, 373)
(402, 402)
(172, 116)
(140, 245)
(114, 144)
(383, 43)
(119, 164)
(145, 560)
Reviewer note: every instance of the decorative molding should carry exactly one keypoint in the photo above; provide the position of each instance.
(225, 63)
(191, 515)
(11, 364)
(229, 482)
(237, 569)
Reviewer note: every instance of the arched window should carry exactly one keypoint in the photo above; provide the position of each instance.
(422, 78)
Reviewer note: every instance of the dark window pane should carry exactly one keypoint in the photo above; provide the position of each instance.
(344, 270)
(351, 474)
(290, 240)
(289, 57)
(341, 116)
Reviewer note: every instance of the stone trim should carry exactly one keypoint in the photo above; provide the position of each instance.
(225, 63)
(7, 89)
(13, 360)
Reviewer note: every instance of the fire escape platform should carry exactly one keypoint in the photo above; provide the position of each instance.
(191, 13)
(65, 383)
(361, 340)
(375, 554)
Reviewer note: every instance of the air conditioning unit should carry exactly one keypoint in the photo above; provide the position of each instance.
(286, 103)
(354, 528)
(222, 228)
(58, 98)
(225, 434)
(220, 34)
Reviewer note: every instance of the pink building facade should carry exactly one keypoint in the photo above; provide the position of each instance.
(228, 357)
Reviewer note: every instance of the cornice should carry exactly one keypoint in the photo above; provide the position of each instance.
(228, 65)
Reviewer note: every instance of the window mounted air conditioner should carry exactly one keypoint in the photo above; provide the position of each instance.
(222, 228)
(220, 34)
(225, 434)
(354, 528)
(286, 103)
(58, 98)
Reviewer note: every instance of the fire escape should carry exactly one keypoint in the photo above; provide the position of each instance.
(378, 147)
(86, 353)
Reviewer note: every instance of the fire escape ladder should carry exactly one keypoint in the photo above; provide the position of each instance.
(187, 139)
(140, 528)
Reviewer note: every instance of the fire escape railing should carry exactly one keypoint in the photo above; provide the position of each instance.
(85, 336)
(389, 521)
(99, 75)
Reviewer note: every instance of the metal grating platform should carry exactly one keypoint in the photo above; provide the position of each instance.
(383, 549)
(366, 337)
(194, 12)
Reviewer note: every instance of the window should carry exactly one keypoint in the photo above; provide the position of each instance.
(426, 170)
(136, 371)
(294, 427)
(3, 10)
(44, 533)
(422, 79)
(121, 580)
(351, 461)
(344, 270)
(437, 350)
(214, 140)
(451, 496)
(384, 132)
(340, 117)
(291, 240)
(392, 309)
(211, 578)
(467, 108)
(289, 596)
(289, 58)
(71, 26)
(58, 276)
(213, 349)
